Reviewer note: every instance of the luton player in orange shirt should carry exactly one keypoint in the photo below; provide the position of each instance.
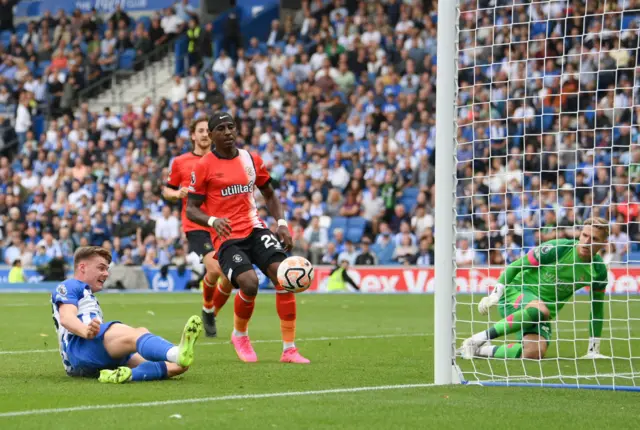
(199, 238)
(221, 196)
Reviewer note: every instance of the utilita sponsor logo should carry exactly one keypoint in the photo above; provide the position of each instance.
(237, 189)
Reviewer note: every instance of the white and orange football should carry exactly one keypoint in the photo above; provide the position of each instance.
(295, 274)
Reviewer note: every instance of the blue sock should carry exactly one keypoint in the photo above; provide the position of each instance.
(149, 371)
(152, 347)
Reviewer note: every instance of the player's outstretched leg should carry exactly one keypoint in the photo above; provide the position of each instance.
(216, 290)
(533, 314)
(121, 341)
(243, 306)
(138, 369)
(286, 308)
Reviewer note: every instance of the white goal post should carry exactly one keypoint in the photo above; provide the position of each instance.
(537, 130)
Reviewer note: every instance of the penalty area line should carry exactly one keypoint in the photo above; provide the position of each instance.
(214, 399)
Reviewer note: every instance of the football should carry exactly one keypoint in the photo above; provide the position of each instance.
(295, 274)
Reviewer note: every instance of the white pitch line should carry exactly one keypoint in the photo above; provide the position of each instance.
(320, 339)
(312, 339)
(213, 399)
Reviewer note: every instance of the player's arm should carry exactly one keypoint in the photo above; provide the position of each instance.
(598, 289)
(174, 194)
(69, 320)
(263, 182)
(172, 190)
(197, 196)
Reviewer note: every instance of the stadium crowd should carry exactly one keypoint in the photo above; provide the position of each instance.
(340, 102)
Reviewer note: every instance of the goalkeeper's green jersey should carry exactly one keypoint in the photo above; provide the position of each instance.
(554, 272)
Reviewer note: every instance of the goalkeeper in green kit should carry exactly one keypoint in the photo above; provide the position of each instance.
(533, 289)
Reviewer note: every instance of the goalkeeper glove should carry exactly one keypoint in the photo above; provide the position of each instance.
(594, 349)
(491, 300)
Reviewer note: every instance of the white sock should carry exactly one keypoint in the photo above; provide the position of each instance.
(237, 333)
(287, 345)
(486, 351)
(172, 355)
(209, 311)
(480, 337)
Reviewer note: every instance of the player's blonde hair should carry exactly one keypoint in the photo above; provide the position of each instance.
(601, 225)
(87, 252)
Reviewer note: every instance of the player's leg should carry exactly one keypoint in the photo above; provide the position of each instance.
(520, 314)
(216, 291)
(237, 264)
(223, 289)
(268, 259)
(534, 346)
(121, 341)
(143, 370)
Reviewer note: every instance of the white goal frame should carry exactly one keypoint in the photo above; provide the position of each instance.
(445, 371)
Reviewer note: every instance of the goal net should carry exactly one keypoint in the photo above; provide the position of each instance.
(545, 136)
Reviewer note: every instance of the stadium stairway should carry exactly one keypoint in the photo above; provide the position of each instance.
(154, 81)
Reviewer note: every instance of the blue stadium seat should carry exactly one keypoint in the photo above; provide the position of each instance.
(357, 222)
(30, 9)
(628, 18)
(355, 229)
(409, 198)
(354, 235)
(42, 66)
(5, 37)
(633, 257)
(146, 21)
(38, 125)
(126, 59)
(337, 222)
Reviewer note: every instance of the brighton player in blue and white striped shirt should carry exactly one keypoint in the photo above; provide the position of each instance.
(113, 351)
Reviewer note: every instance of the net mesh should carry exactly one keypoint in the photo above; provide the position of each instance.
(547, 137)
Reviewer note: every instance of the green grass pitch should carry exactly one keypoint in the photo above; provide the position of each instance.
(354, 341)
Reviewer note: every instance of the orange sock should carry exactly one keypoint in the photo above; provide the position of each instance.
(220, 297)
(208, 291)
(286, 307)
(243, 309)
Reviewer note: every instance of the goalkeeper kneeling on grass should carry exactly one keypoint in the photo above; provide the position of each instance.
(533, 289)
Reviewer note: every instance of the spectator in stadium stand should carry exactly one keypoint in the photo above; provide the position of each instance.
(194, 34)
(171, 23)
(366, 257)
(119, 15)
(232, 36)
(6, 14)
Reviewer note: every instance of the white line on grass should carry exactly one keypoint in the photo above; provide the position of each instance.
(213, 399)
(312, 339)
(320, 339)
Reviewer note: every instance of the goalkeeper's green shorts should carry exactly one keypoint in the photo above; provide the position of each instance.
(515, 299)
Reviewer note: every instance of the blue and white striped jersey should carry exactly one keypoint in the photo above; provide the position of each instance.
(78, 294)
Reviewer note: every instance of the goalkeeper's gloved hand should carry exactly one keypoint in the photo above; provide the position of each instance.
(594, 349)
(491, 300)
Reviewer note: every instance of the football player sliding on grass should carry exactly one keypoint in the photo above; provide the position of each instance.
(112, 351)
(532, 290)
